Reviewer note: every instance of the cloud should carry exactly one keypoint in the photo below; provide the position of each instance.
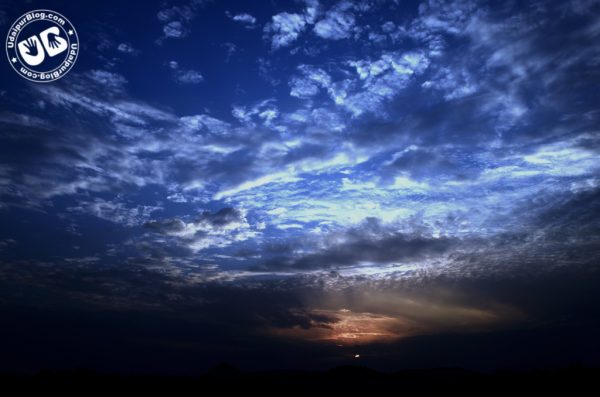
(80, 93)
(74, 159)
(113, 81)
(24, 120)
(230, 49)
(116, 212)
(454, 84)
(127, 48)
(310, 82)
(188, 77)
(366, 314)
(185, 76)
(186, 13)
(574, 215)
(336, 25)
(261, 113)
(375, 83)
(176, 20)
(219, 229)
(175, 29)
(246, 19)
(284, 29)
(382, 80)
(369, 243)
(222, 217)
(206, 123)
(6, 244)
(452, 163)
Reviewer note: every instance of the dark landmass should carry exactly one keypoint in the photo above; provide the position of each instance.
(574, 380)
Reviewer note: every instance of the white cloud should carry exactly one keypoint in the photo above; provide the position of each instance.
(312, 11)
(278, 177)
(381, 80)
(206, 123)
(24, 120)
(108, 79)
(261, 113)
(245, 19)
(388, 27)
(188, 77)
(303, 88)
(310, 81)
(118, 111)
(337, 23)
(176, 19)
(335, 26)
(175, 29)
(185, 76)
(293, 172)
(377, 81)
(127, 48)
(453, 83)
(285, 28)
(208, 230)
(116, 212)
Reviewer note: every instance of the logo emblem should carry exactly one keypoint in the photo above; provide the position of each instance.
(42, 46)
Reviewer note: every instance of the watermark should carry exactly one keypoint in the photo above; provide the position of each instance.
(42, 46)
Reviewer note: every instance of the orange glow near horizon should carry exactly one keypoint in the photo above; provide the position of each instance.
(349, 328)
(404, 317)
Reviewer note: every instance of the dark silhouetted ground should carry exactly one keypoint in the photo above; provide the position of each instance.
(345, 380)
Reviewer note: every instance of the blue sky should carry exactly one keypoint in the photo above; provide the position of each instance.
(322, 172)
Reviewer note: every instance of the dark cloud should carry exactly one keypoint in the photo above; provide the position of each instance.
(371, 243)
(576, 216)
(221, 218)
(166, 226)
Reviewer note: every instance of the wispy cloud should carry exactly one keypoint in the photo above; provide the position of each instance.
(177, 19)
(245, 19)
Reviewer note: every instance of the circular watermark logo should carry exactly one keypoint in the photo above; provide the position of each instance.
(42, 46)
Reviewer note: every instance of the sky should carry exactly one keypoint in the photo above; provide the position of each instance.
(287, 184)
